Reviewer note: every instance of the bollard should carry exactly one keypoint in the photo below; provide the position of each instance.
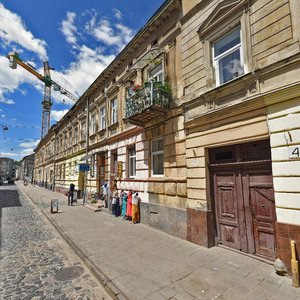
(294, 266)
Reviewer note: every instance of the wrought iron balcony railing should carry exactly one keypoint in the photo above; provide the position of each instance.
(154, 94)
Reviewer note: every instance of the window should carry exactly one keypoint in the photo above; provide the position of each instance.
(70, 137)
(228, 57)
(114, 162)
(157, 155)
(93, 123)
(131, 162)
(76, 136)
(102, 118)
(83, 131)
(156, 74)
(114, 115)
(65, 142)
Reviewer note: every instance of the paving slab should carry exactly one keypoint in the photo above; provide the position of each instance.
(138, 262)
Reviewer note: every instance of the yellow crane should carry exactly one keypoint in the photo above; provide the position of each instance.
(15, 60)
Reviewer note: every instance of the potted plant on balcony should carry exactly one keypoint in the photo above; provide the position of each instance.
(163, 88)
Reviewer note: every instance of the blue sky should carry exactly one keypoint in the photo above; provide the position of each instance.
(78, 38)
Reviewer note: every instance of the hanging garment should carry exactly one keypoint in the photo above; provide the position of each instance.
(129, 207)
(124, 205)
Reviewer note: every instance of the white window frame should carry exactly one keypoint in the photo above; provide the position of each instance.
(75, 135)
(157, 74)
(70, 137)
(83, 131)
(114, 111)
(102, 117)
(153, 153)
(131, 162)
(93, 123)
(226, 53)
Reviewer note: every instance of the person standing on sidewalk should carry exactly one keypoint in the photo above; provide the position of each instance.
(105, 194)
(135, 208)
(71, 194)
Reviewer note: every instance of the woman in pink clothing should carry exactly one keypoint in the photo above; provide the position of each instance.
(129, 206)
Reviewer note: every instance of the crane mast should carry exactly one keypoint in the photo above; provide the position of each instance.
(15, 60)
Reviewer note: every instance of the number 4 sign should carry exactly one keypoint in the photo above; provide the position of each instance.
(294, 152)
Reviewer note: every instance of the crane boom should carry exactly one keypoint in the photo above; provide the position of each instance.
(15, 60)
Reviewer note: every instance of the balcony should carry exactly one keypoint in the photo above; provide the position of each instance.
(148, 103)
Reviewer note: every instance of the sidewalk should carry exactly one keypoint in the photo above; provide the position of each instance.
(138, 262)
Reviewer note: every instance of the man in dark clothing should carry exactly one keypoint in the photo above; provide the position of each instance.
(71, 194)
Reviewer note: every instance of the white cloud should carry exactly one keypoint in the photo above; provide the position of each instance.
(109, 33)
(29, 144)
(69, 29)
(87, 67)
(6, 101)
(13, 30)
(11, 79)
(2, 116)
(118, 15)
(56, 115)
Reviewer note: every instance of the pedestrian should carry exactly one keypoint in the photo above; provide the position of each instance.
(71, 194)
(105, 194)
(113, 205)
(129, 206)
(135, 208)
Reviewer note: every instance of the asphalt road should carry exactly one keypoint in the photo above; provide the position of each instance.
(35, 262)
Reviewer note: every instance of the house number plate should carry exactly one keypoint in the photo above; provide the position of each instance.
(294, 152)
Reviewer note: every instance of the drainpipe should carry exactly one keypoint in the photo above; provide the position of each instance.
(87, 146)
(54, 162)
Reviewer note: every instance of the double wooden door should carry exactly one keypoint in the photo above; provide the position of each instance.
(245, 208)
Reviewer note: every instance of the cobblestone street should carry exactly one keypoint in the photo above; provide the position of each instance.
(35, 261)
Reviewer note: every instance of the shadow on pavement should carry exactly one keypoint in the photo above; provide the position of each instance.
(9, 197)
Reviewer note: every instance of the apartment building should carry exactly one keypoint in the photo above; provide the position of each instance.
(200, 114)
(240, 67)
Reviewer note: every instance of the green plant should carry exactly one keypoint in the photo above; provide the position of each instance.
(163, 87)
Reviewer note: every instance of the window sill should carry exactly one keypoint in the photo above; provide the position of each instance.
(113, 126)
(102, 131)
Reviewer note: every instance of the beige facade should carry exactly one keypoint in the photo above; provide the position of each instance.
(232, 125)
(257, 103)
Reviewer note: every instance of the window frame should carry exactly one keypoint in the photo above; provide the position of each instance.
(83, 131)
(153, 153)
(76, 135)
(131, 173)
(93, 126)
(114, 111)
(216, 59)
(102, 117)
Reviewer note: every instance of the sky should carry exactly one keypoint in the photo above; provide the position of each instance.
(78, 38)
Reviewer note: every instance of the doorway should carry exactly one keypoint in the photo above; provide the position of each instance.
(242, 189)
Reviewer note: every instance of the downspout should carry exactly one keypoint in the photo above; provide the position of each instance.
(87, 145)
(54, 162)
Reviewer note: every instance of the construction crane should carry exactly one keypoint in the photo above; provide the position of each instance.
(15, 60)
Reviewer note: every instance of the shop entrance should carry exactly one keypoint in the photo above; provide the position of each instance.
(242, 189)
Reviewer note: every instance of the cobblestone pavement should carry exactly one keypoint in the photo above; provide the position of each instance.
(35, 263)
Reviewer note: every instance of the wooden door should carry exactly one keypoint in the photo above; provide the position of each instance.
(259, 186)
(229, 209)
(245, 208)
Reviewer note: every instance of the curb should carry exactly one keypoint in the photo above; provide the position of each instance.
(105, 282)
